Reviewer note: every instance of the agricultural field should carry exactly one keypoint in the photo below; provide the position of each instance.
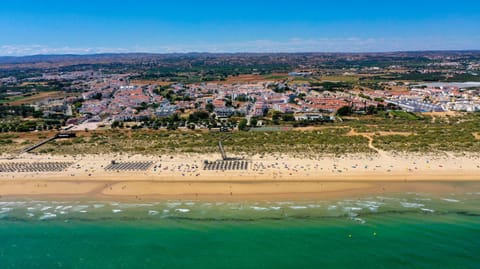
(340, 78)
(31, 99)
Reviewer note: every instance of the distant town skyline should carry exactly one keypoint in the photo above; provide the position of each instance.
(29, 27)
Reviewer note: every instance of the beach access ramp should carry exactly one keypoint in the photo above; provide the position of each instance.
(43, 142)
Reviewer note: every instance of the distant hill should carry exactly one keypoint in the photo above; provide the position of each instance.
(55, 61)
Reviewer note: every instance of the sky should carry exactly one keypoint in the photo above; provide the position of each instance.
(29, 27)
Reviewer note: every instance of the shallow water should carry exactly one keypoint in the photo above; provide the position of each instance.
(407, 230)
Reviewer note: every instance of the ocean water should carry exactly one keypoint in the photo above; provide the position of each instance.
(405, 230)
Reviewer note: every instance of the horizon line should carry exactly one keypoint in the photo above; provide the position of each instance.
(245, 52)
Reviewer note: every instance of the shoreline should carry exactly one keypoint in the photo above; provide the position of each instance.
(223, 191)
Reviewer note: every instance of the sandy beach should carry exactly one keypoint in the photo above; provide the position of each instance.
(183, 176)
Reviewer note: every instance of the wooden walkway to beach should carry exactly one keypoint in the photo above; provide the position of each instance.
(39, 144)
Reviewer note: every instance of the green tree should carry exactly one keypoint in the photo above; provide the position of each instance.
(253, 122)
(242, 126)
(97, 96)
(288, 117)
(344, 111)
(276, 115)
(371, 110)
(209, 107)
(198, 115)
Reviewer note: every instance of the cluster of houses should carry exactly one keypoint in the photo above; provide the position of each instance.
(438, 98)
(114, 98)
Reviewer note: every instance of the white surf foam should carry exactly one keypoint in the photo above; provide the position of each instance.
(332, 207)
(5, 210)
(173, 204)
(360, 220)
(348, 208)
(450, 200)
(152, 212)
(371, 205)
(80, 208)
(298, 207)
(411, 205)
(48, 216)
(258, 208)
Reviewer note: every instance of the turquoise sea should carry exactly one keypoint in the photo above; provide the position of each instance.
(404, 230)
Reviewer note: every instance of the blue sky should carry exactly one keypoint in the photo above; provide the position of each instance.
(86, 26)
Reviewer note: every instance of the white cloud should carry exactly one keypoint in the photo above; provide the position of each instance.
(352, 44)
